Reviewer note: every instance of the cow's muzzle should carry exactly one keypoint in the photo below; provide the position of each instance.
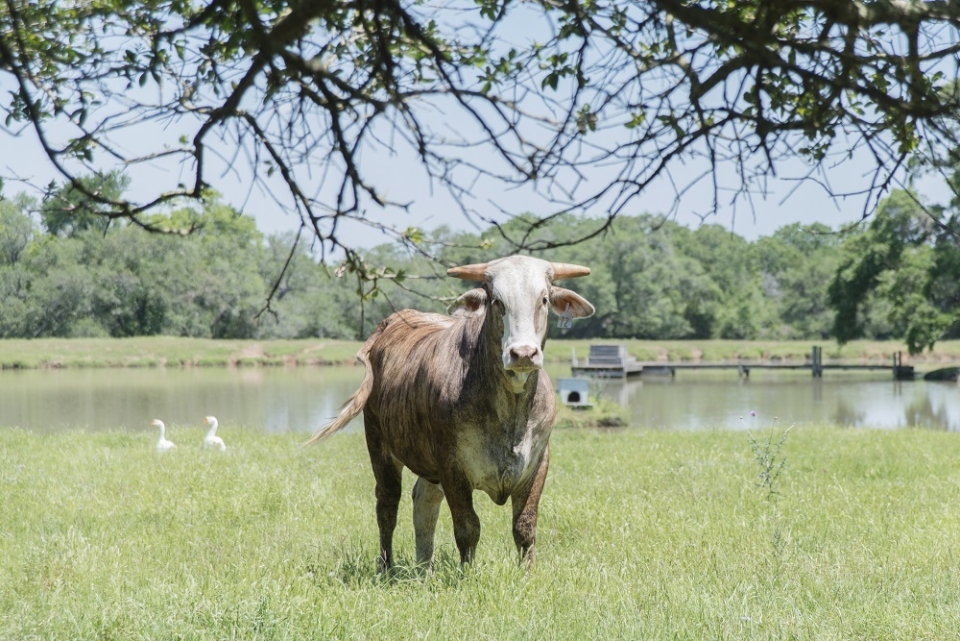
(523, 358)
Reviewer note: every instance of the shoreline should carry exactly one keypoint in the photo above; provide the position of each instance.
(166, 351)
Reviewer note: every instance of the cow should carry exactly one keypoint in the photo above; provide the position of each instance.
(464, 403)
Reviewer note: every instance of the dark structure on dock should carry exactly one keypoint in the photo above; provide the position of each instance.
(613, 361)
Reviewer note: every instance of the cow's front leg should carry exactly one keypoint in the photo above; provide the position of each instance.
(427, 498)
(525, 502)
(466, 523)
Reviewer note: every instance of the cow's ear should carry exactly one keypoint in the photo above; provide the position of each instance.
(565, 302)
(469, 303)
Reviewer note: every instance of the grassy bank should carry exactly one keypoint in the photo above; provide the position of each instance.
(642, 535)
(169, 351)
(193, 352)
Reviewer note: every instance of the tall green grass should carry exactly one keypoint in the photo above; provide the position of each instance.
(643, 535)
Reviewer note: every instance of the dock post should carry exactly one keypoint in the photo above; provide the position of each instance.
(902, 372)
(816, 364)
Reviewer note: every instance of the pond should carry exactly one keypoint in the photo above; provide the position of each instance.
(278, 400)
(699, 401)
(274, 400)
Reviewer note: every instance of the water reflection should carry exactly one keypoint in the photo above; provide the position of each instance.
(937, 409)
(705, 400)
(299, 400)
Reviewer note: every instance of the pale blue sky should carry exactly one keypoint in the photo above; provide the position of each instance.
(402, 178)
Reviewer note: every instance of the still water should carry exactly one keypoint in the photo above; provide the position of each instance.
(278, 400)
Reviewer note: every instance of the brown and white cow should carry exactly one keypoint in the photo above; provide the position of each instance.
(464, 403)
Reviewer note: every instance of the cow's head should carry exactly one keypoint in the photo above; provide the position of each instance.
(518, 292)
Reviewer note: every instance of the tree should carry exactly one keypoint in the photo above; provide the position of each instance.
(730, 262)
(797, 264)
(16, 229)
(588, 105)
(67, 210)
(643, 283)
(221, 280)
(906, 264)
(118, 280)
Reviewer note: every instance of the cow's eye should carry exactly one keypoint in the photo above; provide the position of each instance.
(545, 300)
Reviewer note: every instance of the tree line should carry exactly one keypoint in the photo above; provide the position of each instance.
(69, 272)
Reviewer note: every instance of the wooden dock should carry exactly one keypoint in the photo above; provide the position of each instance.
(607, 361)
(613, 361)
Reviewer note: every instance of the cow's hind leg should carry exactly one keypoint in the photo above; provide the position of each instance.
(427, 498)
(526, 502)
(388, 501)
(388, 474)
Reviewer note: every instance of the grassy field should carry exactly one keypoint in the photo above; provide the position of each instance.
(195, 352)
(643, 535)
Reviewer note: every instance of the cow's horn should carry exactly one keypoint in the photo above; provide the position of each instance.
(567, 270)
(469, 272)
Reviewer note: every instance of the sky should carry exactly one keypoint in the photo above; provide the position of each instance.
(432, 206)
(401, 177)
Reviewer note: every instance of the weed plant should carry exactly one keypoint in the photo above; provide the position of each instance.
(770, 458)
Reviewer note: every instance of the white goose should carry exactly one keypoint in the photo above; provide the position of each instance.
(163, 444)
(211, 439)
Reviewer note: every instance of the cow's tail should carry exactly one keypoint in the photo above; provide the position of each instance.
(355, 403)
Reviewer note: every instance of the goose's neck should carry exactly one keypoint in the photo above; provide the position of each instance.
(213, 429)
